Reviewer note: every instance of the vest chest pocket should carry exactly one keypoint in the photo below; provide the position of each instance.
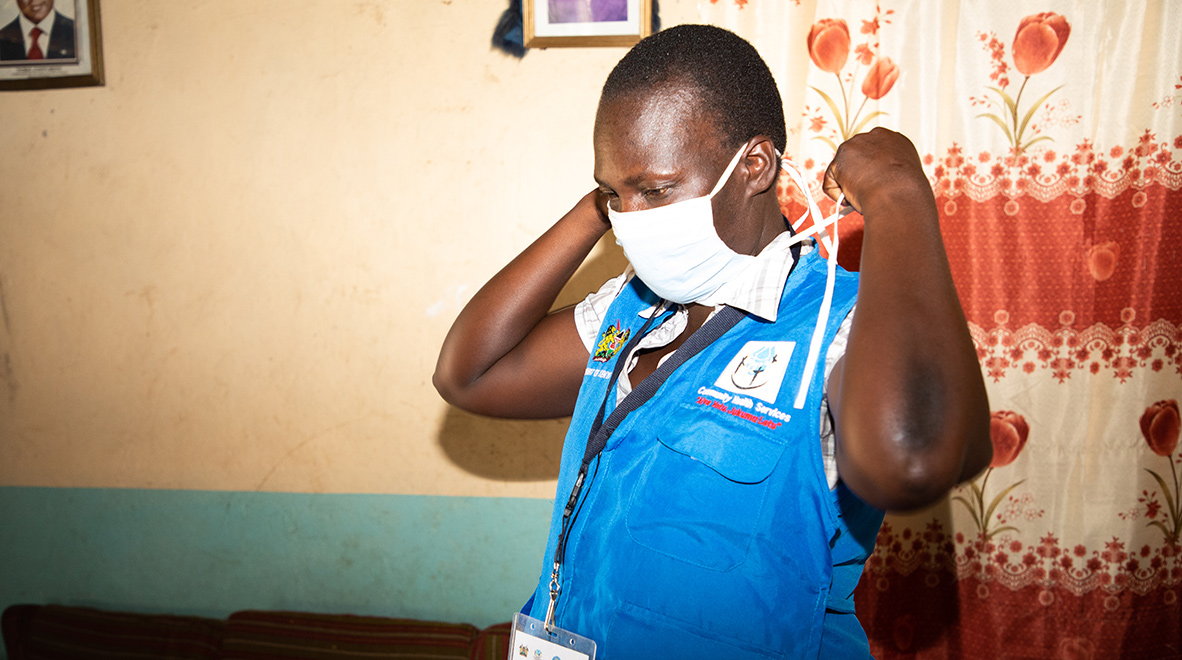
(701, 495)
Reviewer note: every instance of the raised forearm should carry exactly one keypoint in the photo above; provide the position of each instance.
(912, 414)
(491, 355)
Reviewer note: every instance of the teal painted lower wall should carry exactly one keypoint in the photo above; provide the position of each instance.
(211, 553)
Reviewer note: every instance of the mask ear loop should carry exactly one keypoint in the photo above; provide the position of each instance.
(831, 245)
(730, 169)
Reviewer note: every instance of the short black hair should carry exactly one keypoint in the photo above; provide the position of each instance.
(729, 78)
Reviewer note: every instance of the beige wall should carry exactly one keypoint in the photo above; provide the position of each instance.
(232, 266)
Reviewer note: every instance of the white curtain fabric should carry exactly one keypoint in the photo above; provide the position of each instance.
(1052, 135)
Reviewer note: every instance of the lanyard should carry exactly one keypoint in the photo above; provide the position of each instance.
(602, 430)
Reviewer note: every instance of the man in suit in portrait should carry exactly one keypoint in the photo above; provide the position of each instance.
(39, 33)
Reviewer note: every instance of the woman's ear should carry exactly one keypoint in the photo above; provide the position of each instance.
(762, 166)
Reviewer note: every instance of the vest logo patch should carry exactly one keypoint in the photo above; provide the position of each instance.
(758, 369)
(610, 342)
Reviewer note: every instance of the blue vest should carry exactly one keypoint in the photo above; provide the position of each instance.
(706, 528)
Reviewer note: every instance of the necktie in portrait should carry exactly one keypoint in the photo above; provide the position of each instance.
(35, 47)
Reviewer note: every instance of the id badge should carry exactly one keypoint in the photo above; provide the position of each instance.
(531, 641)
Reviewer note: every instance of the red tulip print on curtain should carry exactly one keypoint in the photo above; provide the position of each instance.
(1102, 259)
(829, 46)
(1159, 427)
(1008, 431)
(1053, 143)
(1039, 40)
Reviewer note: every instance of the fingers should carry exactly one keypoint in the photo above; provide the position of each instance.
(829, 185)
(597, 201)
(832, 183)
(864, 162)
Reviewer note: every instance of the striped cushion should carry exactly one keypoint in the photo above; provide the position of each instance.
(258, 635)
(492, 643)
(55, 632)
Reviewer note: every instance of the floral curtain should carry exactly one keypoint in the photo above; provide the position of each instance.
(1051, 133)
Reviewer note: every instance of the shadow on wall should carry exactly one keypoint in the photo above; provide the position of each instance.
(524, 450)
(503, 449)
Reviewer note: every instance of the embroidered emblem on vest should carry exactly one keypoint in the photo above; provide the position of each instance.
(758, 369)
(610, 342)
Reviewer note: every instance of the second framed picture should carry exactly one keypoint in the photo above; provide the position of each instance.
(558, 23)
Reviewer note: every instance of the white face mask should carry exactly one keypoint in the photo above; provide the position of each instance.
(675, 249)
(677, 253)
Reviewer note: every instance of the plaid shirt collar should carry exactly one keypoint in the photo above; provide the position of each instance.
(759, 288)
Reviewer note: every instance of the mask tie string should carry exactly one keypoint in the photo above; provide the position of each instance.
(820, 223)
(726, 174)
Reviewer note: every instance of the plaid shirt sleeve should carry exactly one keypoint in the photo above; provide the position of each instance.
(828, 439)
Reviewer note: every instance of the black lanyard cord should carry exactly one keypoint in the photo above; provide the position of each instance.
(569, 521)
(714, 328)
(624, 356)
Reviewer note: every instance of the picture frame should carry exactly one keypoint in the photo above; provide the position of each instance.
(73, 41)
(580, 23)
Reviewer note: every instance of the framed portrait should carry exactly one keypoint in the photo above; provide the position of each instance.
(551, 23)
(50, 43)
